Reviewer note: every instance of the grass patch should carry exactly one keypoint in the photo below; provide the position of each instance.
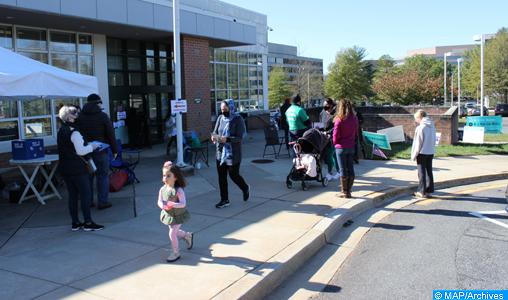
(495, 137)
(403, 151)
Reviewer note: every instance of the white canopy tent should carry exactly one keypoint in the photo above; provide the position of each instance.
(25, 79)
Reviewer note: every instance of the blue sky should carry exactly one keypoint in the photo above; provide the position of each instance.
(321, 28)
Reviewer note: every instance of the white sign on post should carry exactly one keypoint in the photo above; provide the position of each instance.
(179, 106)
(438, 137)
(395, 134)
(473, 134)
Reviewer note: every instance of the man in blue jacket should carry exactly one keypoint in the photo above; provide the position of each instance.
(96, 126)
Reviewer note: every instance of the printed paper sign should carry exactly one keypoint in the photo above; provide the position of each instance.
(395, 134)
(179, 106)
(491, 124)
(473, 134)
(438, 137)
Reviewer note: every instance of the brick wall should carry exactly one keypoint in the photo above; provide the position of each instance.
(196, 85)
(445, 119)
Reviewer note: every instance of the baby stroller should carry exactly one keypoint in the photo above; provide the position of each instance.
(307, 164)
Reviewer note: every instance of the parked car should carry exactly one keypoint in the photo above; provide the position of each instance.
(469, 106)
(501, 109)
(476, 111)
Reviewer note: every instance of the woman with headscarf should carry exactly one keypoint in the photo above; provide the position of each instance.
(72, 147)
(344, 134)
(424, 144)
(227, 135)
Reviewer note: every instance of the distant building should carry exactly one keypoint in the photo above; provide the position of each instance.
(439, 51)
(293, 64)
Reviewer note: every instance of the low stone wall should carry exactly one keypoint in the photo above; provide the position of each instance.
(445, 118)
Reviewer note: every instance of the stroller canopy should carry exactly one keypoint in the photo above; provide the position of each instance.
(314, 137)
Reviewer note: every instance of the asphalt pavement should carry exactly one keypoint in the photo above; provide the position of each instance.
(242, 251)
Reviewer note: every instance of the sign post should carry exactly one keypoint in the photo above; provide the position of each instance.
(178, 80)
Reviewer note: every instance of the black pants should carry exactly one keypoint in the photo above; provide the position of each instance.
(426, 184)
(234, 174)
(173, 138)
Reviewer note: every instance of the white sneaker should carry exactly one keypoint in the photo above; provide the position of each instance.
(337, 175)
(174, 255)
(329, 176)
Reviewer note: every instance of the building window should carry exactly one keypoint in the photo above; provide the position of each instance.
(271, 59)
(31, 39)
(6, 36)
(279, 60)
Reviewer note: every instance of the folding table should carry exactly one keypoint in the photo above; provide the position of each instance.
(37, 163)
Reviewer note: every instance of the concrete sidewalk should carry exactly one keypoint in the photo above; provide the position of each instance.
(241, 251)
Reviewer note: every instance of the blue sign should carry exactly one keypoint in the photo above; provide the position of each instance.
(381, 140)
(491, 124)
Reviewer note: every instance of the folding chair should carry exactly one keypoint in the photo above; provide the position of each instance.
(195, 150)
(272, 139)
(119, 163)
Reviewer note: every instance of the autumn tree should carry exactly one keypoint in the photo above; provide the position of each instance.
(349, 76)
(408, 86)
(278, 87)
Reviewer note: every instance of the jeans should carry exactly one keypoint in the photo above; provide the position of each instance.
(102, 162)
(425, 177)
(79, 185)
(286, 135)
(234, 174)
(345, 159)
(331, 159)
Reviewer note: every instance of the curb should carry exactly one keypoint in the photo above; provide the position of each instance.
(285, 263)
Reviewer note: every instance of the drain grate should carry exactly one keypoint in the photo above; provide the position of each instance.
(262, 161)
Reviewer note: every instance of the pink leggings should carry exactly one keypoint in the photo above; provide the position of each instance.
(174, 233)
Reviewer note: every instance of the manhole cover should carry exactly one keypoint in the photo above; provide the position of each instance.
(262, 161)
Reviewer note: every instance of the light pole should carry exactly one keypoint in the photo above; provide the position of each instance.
(451, 101)
(445, 55)
(458, 83)
(308, 90)
(481, 38)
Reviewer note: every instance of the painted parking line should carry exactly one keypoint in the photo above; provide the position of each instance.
(436, 198)
(497, 212)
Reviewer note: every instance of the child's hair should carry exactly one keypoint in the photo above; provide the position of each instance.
(180, 180)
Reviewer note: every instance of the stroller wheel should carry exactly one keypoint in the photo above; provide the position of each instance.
(325, 182)
(289, 184)
(305, 186)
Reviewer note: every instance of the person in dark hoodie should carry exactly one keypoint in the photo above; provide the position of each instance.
(326, 117)
(72, 148)
(96, 126)
(283, 120)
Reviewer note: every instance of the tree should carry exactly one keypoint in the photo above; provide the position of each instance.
(495, 66)
(383, 65)
(349, 76)
(278, 87)
(308, 78)
(408, 86)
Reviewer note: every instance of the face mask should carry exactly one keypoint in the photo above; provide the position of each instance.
(226, 114)
(326, 107)
(418, 120)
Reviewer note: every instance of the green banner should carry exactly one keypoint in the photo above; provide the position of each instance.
(381, 140)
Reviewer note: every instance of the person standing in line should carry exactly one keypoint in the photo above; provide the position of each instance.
(344, 135)
(359, 137)
(423, 150)
(297, 119)
(283, 120)
(72, 146)
(96, 126)
(174, 207)
(171, 131)
(326, 117)
(230, 129)
(133, 128)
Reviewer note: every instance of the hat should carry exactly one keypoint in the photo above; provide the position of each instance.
(94, 98)
(296, 99)
(287, 100)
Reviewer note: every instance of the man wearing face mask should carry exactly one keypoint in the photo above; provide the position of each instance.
(424, 144)
(297, 119)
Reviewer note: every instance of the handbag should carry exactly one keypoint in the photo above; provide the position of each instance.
(117, 180)
(90, 165)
